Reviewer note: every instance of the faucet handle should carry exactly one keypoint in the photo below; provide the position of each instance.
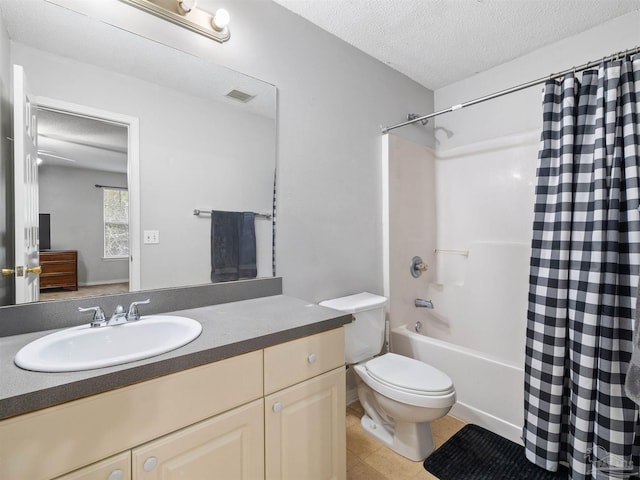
(133, 313)
(98, 314)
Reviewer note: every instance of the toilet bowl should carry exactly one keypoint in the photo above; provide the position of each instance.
(400, 395)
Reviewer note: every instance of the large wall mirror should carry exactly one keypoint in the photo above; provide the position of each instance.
(205, 140)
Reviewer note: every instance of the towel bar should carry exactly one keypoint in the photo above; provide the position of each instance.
(464, 253)
(199, 212)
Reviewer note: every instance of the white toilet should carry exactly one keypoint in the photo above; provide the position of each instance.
(400, 395)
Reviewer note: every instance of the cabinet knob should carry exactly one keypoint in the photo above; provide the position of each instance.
(149, 464)
(312, 358)
(116, 475)
(277, 407)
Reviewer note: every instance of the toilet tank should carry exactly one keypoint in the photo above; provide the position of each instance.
(364, 336)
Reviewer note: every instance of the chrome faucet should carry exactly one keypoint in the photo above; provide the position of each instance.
(119, 316)
(423, 303)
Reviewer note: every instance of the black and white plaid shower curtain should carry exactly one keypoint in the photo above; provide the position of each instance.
(584, 274)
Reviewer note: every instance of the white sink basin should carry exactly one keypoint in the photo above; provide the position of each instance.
(84, 348)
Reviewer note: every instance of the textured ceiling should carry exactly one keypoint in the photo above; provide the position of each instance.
(72, 141)
(438, 42)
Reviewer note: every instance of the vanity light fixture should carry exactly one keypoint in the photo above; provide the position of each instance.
(186, 14)
(220, 20)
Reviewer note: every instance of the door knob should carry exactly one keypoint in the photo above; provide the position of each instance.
(7, 271)
(37, 270)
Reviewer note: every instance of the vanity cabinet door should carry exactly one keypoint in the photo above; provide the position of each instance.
(229, 446)
(305, 430)
(117, 467)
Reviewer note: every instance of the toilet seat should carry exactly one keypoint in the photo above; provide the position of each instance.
(408, 381)
(409, 375)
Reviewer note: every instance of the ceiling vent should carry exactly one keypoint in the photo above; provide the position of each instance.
(239, 95)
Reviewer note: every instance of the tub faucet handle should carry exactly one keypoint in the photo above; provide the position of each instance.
(423, 303)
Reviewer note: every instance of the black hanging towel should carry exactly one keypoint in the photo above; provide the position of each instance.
(247, 249)
(233, 246)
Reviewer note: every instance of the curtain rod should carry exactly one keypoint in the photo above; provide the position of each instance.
(517, 88)
(111, 186)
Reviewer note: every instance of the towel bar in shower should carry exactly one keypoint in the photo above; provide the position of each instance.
(199, 212)
(464, 253)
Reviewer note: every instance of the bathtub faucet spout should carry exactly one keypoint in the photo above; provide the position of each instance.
(424, 303)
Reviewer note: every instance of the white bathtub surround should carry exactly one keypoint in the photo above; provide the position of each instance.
(487, 303)
(409, 222)
(477, 215)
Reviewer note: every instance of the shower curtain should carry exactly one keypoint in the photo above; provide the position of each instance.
(584, 274)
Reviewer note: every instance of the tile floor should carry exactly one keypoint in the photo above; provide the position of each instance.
(369, 460)
(89, 291)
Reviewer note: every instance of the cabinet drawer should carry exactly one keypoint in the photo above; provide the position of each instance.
(58, 267)
(58, 256)
(295, 361)
(58, 280)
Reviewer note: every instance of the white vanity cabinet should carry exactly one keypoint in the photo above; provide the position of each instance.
(305, 435)
(214, 421)
(54, 441)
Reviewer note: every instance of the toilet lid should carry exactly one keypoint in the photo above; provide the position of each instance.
(409, 374)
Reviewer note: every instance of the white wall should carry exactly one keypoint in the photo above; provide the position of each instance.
(333, 101)
(76, 208)
(184, 162)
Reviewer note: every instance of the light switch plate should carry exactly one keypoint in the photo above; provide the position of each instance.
(151, 237)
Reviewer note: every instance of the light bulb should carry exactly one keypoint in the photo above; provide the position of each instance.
(187, 5)
(220, 20)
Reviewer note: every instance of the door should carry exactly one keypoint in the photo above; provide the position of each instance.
(305, 433)
(25, 158)
(229, 446)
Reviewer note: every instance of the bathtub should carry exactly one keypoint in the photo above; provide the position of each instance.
(489, 390)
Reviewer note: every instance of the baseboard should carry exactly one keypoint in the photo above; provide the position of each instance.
(351, 395)
(104, 282)
(494, 424)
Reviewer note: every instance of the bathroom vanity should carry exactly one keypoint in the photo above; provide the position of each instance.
(260, 394)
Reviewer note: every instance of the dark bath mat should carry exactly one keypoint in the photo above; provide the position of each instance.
(478, 454)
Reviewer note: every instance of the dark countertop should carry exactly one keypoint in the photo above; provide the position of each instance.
(228, 329)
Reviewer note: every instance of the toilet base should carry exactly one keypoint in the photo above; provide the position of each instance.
(411, 440)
